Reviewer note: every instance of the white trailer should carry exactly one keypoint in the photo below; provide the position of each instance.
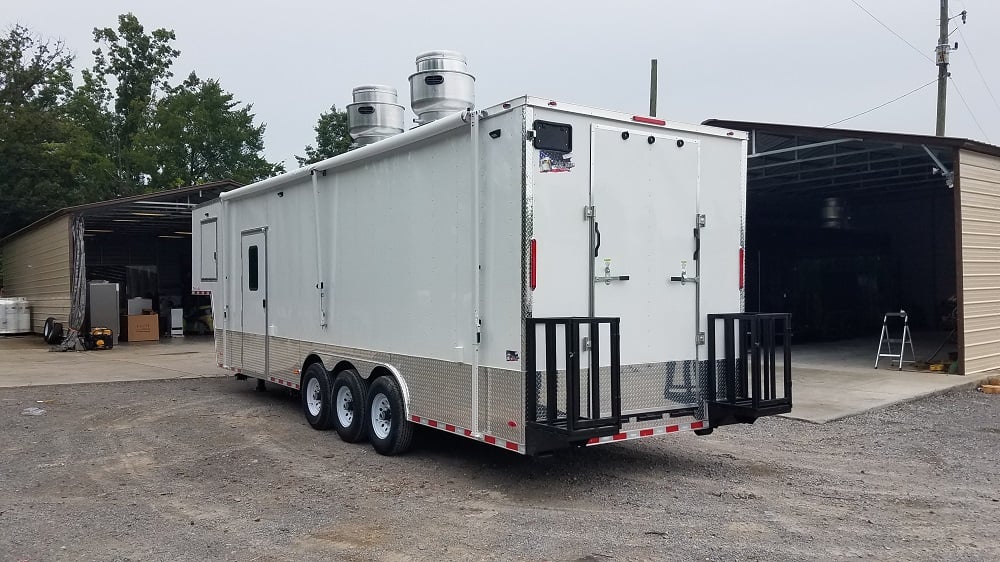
(535, 275)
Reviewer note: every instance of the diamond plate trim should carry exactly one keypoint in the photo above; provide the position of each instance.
(503, 403)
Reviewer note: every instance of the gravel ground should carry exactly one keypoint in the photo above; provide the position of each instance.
(210, 470)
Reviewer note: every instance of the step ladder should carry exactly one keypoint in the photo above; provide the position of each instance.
(885, 340)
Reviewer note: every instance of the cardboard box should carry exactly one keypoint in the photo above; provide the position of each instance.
(141, 327)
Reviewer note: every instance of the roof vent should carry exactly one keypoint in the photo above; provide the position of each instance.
(441, 86)
(374, 115)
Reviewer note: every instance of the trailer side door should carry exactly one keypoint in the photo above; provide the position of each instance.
(253, 295)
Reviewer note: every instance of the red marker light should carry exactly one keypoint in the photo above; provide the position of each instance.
(741, 268)
(533, 280)
(648, 120)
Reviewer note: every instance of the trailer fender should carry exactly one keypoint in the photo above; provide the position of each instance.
(368, 369)
(386, 370)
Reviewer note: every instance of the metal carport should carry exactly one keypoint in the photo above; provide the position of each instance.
(844, 225)
(50, 260)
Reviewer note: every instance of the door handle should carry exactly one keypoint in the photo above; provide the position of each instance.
(265, 303)
(607, 279)
(684, 279)
(597, 246)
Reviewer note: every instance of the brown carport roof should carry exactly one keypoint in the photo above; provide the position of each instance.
(877, 136)
(200, 192)
(795, 161)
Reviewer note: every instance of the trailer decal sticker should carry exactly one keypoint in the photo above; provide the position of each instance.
(551, 161)
(648, 432)
(512, 355)
(492, 440)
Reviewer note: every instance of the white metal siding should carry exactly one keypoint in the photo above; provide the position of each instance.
(36, 265)
(979, 182)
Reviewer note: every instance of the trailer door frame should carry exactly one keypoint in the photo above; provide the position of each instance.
(254, 292)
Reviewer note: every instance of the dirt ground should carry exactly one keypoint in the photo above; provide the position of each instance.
(209, 469)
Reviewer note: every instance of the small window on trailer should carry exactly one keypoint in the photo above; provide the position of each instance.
(253, 281)
(209, 250)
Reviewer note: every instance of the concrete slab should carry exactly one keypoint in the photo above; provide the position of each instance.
(27, 361)
(835, 380)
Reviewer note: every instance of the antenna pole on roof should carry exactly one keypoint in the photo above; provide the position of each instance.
(652, 88)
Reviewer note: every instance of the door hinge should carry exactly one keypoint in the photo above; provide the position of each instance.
(586, 343)
(701, 338)
(589, 212)
(701, 221)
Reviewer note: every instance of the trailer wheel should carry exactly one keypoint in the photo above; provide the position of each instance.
(315, 394)
(389, 432)
(703, 432)
(349, 403)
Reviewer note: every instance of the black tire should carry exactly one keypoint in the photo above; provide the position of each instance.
(316, 401)
(388, 429)
(350, 406)
(47, 329)
(703, 432)
(57, 334)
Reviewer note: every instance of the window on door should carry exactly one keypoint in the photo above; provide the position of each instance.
(252, 259)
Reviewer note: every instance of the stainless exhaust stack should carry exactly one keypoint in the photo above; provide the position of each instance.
(374, 115)
(441, 86)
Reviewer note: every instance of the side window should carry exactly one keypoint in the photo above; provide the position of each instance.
(253, 269)
(209, 249)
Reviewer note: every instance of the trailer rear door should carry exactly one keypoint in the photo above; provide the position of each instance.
(644, 189)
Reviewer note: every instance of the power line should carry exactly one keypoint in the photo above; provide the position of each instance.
(891, 31)
(976, 64)
(913, 91)
(969, 109)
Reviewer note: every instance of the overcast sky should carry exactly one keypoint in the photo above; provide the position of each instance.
(786, 61)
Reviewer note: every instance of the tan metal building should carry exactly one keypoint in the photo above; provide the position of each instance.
(36, 266)
(845, 225)
(49, 261)
(978, 194)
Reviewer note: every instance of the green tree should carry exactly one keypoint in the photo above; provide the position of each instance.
(46, 160)
(118, 97)
(200, 133)
(331, 137)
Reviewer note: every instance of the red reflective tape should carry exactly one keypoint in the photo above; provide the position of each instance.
(468, 432)
(619, 437)
(697, 425)
(645, 432)
(648, 120)
(673, 428)
(534, 264)
(593, 440)
(511, 445)
(415, 418)
(490, 439)
(432, 423)
(449, 427)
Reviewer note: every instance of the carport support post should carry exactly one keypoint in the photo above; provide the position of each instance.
(942, 64)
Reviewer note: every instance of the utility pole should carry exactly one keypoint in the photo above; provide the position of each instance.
(942, 51)
(652, 88)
